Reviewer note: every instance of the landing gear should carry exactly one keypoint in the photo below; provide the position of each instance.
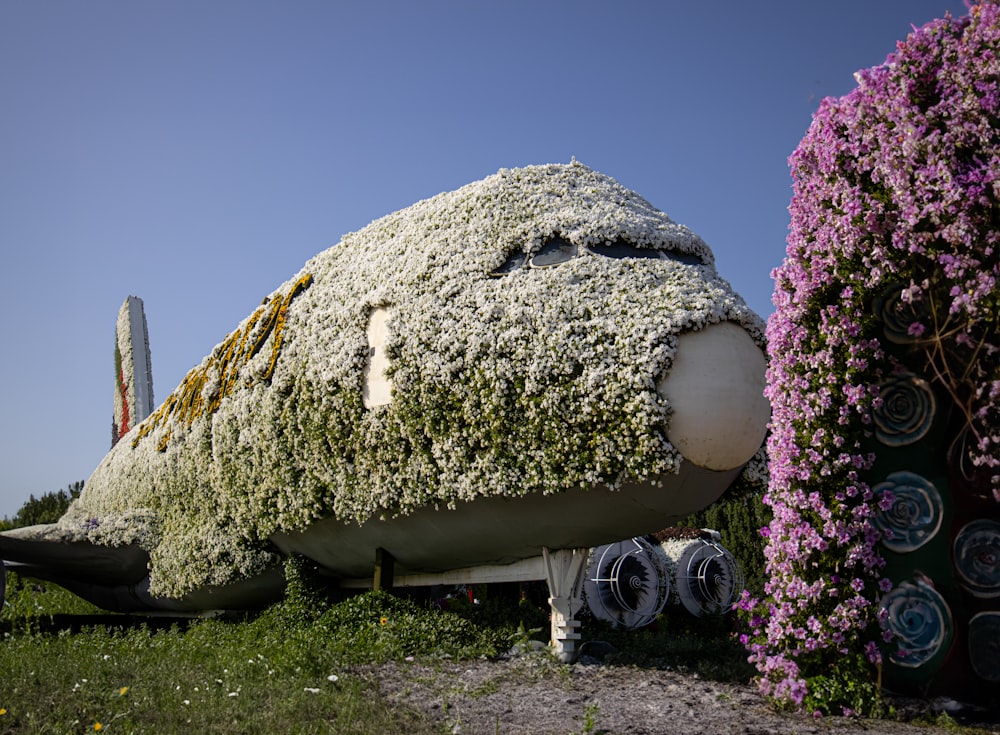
(564, 572)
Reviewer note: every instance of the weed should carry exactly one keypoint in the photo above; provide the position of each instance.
(590, 712)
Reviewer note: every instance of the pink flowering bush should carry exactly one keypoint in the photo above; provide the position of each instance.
(896, 191)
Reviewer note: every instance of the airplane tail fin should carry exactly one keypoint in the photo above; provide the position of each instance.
(133, 369)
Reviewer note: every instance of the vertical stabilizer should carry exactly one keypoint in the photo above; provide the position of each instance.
(133, 369)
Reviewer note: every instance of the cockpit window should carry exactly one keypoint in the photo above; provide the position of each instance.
(554, 252)
(621, 249)
(513, 263)
(686, 258)
(559, 250)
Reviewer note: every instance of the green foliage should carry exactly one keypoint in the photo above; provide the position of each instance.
(306, 590)
(591, 710)
(738, 518)
(31, 603)
(390, 627)
(48, 508)
(848, 687)
(379, 626)
(509, 621)
(373, 627)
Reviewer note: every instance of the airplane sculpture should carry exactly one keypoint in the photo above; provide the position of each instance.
(536, 363)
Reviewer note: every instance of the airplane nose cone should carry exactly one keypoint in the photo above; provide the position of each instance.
(716, 392)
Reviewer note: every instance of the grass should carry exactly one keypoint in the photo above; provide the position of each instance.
(211, 676)
(203, 680)
(65, 667)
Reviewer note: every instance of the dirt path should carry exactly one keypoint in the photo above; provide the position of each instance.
(532, 695)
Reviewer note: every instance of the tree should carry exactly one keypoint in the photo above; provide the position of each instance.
(48, 508)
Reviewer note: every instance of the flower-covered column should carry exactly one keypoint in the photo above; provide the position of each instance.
(884, 380)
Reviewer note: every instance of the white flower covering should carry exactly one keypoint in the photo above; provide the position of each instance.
(532, 382)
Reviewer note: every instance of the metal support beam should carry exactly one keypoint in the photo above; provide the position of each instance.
(525, 570)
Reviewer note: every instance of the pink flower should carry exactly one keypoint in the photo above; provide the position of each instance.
(894, 186)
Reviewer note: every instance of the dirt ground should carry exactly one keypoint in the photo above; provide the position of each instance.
(533, 695)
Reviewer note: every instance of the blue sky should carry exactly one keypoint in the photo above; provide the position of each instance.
(197, 153)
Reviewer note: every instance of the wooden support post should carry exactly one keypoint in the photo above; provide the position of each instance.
(384, 564)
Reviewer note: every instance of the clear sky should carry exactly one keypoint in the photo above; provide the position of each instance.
(196, 153)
